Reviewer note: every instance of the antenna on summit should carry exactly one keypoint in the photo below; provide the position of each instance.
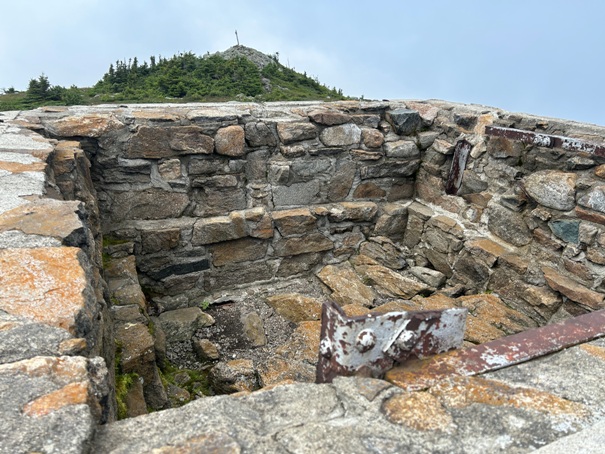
(236, 37)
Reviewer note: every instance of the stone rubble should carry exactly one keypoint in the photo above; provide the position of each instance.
(118, 223)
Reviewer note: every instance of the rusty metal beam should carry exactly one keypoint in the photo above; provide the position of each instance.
(454, 179)
(369, 345)
(499, 353)
(546, 140)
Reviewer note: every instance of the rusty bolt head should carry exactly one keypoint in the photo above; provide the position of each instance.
(366, 340)
(325, 348)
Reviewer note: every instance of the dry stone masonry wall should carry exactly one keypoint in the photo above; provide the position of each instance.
(111, 213)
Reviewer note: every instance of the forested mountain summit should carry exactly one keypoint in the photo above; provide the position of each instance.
(239, 73)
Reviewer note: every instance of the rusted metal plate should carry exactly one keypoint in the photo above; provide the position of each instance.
(369, 345)
(454, 179)
(546, 140)
(499, 353)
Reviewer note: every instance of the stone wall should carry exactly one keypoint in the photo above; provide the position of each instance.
(212, 197)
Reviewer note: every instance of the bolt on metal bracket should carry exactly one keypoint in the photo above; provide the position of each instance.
(371, 344)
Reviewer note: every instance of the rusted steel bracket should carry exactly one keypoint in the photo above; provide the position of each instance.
(500, 353)
(546, 140)
(454, 179)
(369, 345)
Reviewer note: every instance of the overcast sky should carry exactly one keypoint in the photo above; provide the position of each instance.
(537, 56)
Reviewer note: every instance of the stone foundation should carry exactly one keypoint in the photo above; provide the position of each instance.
(195, 203)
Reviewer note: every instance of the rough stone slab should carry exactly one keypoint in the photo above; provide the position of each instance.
(20, 338)
(46, 217)
(180, 324)
(489, 251)
(341, 136)
(148, 204)
(94, 125)
(230, 141)
(329, 117)
(352, 211)
(237, 251)
(157, 142)
(589, 440)
(295, 307)
(296, 131)
(294, 222)
(405, 121)
(346, 286)
(573, 290)
(48, 285)
(218, 229)
(553, 189)
(313, 242)
(48, 404)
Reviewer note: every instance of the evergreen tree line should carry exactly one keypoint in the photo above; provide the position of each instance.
(183, 77)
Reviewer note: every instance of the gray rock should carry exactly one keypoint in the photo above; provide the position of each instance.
(341, 136)
(508, 225)
(180, 325)
(260, 134)
(402, 149)
(234, 376)
(404, 121)
(296, 194)
(567, 230)
(205, 350)
(296, 132)
(254, 329)
(552, 188)
(431, 277)
(594, 199)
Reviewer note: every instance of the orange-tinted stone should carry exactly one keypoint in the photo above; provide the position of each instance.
(71, 394)
(44, 284)
(458, 392)
(418, 411)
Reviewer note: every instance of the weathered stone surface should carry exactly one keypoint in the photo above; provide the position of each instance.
(304, 343)
(346, 286)
(278, 371)
(340, 184)
(243, 250)
(573, 290)
(295, 307)
(148, 204)
(487, 250)
(390, 169)
(508, 225)
(94, 125)
(260, 134)
(418, 411)
(48, 285)
(230, 141)
(297, 264)
(404, 121)
(294, 222)
(218, 229)
(594, 199)
(156, 142)
(393, 222)
(296, 194)
(402, 149)
(180, 325)
(372, 138)
(566, 229)
(205, 349)
(49, 404)
(160, 240)
(341, 136)
(552, 189)
(296, 132)
(353, 211)
(47, 217)
(369, 190)
(391, 283)
(254, 329)
(314, 242)
(430, 277)
(170, 169)
(384, 252)
(329, 117)
(233, 274)
(234, 376)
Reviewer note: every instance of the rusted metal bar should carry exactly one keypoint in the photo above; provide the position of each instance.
(454, 179)
(500, 353)
(546, 140)
(369, 345)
